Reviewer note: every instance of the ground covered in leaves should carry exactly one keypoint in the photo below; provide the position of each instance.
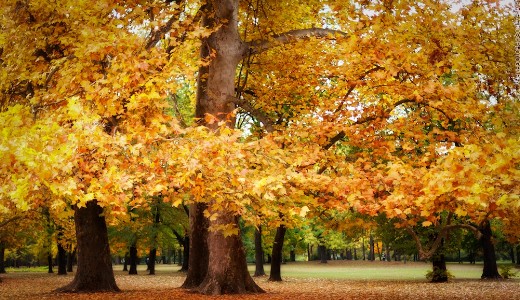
(164, 285)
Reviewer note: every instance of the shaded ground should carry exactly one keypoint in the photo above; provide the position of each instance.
(164, 285)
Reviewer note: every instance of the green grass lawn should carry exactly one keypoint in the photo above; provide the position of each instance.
(376, 270)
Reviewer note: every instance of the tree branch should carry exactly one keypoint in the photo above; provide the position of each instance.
(3, 223)
(423, 254)
(259, 46)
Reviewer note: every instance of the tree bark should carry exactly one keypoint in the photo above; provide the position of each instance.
(62, 260)
(322, 251)
(2, 257)
(49, 263)
(276, 257)
(198, 247)
(186, 254)
(259, 253)
(226, 266)
(151, 261)
(440, 273)
(125, 265)
(94, 273)
(133, 260)
(490, 270)
(371, 254)
(70, 260)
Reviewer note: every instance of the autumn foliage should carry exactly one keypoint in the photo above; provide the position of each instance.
(401, 108)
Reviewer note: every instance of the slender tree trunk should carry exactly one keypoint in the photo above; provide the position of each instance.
(186, 254)
(153, 251)
(276, 261)
(371, 255)
(133, 260)
(259, 253)
(127, 259)
(490, 270)
(518, 255)
(198, 249)
(2, 257)
(151, 261)
(322, 251)
(71, 255)
(49, 263)
(363, 249)
(355, 254)
(512, 253)
(62, 260)
(94, 273)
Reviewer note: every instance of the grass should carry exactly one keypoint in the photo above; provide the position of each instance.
(376, 270)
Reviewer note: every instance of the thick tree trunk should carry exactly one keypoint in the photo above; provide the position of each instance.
(94, 273)
(259, 253)
(133, 260)
(490, 261)
(2, 257)
(226, 266)
(62, 260)
(439, 269)
(276, 261)
(440, 273)
(198, 249)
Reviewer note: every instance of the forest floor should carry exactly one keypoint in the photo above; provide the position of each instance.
(305, 280)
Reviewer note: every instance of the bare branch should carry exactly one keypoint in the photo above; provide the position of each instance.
(259, 46)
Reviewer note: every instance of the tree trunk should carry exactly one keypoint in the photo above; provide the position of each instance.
(372, 254)
(151, 261)
(259, 253)
(125, 265)
(94, 273)
(277, 253)
(322, 251)
(198, 249)
(518, 255)
(490, 262)
(226, 268)
(363, 249)
(133, 260)
(440, 273)
(71, 255)
(153, 251)
(186, 254)
(2, 257)
(62, 260)
(292, 255)
(49, 263)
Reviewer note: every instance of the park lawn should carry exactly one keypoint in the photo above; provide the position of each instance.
(302, 280)
(372, 270)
